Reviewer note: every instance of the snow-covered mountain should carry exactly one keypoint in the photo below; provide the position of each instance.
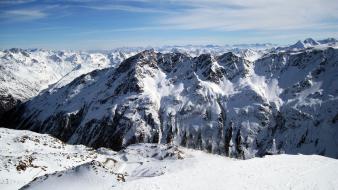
(250, 52)
(35, 161)
(25, 73)
(310, 43)
(286, 101)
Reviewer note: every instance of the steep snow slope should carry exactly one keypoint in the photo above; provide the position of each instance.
(35, 161)
(21, 68)
(283, 102)
(25, 73)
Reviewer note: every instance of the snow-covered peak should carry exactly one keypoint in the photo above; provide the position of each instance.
(328, 41)
(26, 73)
(310, 43)
(302, 45)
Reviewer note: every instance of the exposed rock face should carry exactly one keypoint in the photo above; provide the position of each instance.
(7, 103)
(285, 102)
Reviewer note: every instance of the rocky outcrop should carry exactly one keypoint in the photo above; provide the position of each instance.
(7, 103)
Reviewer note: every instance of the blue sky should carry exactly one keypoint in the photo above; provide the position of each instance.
(86, 24)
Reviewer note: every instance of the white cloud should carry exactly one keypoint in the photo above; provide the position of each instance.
(230, 15)
(13, 2)
(126, 8)
(23, 14)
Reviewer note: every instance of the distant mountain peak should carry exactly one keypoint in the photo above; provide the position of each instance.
(311, 41)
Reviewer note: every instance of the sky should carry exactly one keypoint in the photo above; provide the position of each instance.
(91, 25)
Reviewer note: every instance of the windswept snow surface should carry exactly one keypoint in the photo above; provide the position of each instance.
(39, 162)
(203, 171)
(44, 162)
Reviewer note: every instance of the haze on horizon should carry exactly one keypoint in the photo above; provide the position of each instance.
(86, 24)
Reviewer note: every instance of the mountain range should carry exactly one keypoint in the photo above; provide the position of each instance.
(240, 103)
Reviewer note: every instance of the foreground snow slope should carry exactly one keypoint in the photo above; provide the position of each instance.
(40, 162)
(205, 171)
(27, 156)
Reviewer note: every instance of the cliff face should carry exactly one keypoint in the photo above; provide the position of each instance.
(283, 102)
